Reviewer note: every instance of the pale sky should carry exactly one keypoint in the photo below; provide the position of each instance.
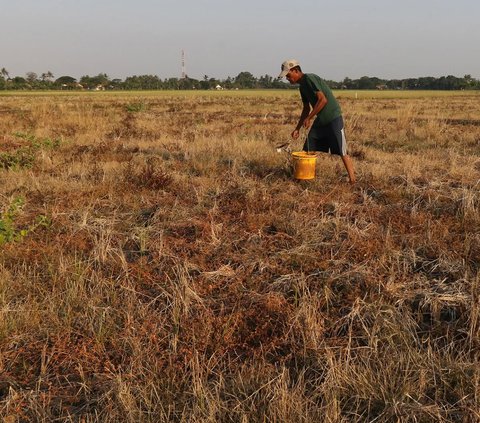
(335, 39)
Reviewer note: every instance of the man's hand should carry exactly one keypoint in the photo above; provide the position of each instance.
(307, 122)
(295, 134)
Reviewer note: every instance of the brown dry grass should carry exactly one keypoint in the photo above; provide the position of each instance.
(185, 276)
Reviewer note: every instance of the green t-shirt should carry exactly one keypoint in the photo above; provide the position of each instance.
(310, 84)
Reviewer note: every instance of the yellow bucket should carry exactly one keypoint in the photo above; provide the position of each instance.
(304, 164)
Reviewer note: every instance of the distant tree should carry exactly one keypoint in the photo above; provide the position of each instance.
(394, 84)
(333, 84)
(116, 84)
(346, 83)
(467, 81)
(471, 83)
(132, 83)
(65, 82)
(366, 83)
(102, 79)
(208, 83)
(282, 85)
(242, 80)
(204, 84)
(188, 83)
(19, 83)
(410, 84)
(3, 82)
(427, 83)
(228, 83)
(265, 81)
(171, 84)
(143, 82)
(46, 76)
(213, 82)
(450, 82)
(92, 82)
(5, 73)
(31, 77)
(245, 80)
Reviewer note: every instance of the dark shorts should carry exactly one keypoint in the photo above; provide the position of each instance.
(329, 138)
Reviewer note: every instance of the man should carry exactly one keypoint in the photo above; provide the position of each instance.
(321, 113)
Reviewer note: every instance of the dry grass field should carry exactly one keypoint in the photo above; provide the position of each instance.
(159, 263)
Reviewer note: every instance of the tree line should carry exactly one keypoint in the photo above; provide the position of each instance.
(244, 80)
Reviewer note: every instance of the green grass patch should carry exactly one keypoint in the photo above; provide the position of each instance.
(24, 156)
(9, 232)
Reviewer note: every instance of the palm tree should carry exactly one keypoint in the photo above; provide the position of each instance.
(5, 73)
(46, 76)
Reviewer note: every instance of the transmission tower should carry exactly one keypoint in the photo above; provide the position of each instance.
(184, 73)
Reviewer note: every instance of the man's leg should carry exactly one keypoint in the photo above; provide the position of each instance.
(340, 147)
(347, 161)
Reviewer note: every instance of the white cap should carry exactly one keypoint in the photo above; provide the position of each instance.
(287, 65)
